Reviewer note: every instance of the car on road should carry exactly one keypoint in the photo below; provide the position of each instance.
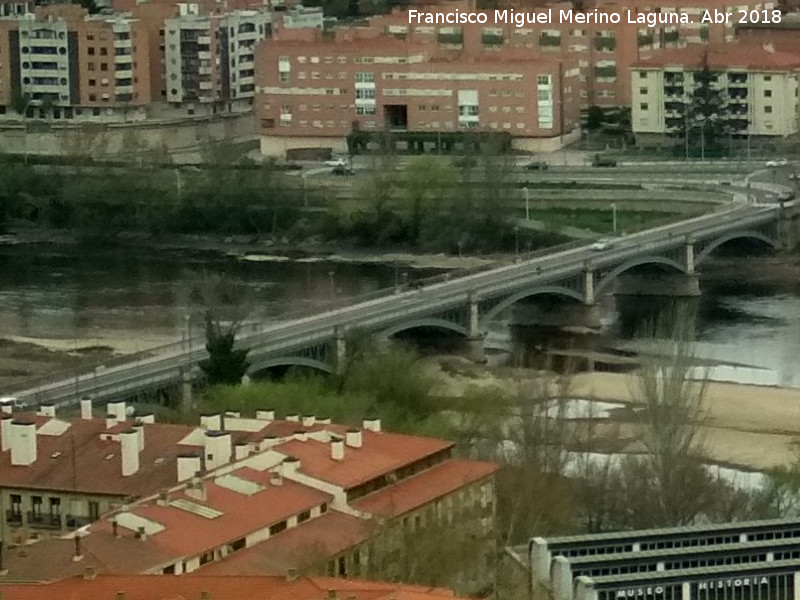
(602, 161)
(342, 170)
(794, 176)
(536, 165)
(777, 162)
(336, 162)
(603, 244)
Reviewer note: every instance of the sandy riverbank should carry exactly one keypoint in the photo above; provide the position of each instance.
(754, 427)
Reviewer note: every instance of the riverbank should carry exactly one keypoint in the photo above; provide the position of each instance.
(746, 426)
(260, 249)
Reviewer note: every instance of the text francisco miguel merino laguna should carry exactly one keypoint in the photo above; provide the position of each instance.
(520, 19)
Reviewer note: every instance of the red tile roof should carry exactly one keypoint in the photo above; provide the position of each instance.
(722, 56)
(160, 587)
(381, 453)
(425, 487)
(90, 465)
(328, 535)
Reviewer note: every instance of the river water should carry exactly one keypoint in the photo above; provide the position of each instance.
(72, 296)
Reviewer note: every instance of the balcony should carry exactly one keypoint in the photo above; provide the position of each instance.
(75, 521)
(44, 521)
(13, 517)
(122, 43)
(204, 39)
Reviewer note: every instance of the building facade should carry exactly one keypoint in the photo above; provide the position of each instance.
(210, 59)
(759, 86)
(314, 91)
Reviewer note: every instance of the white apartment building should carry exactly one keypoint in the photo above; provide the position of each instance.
(47, 76)
(210, 58)
(759, 85)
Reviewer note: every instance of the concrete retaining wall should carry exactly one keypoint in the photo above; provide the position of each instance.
(125, 139)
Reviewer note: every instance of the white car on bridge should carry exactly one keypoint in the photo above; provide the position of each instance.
(603, 244)
(777, 162)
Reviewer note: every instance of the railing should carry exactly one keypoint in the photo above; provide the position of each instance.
(75, 521)
(45, 521)
(13, 517)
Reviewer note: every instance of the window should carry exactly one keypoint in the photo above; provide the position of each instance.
(768, 109)
(277, 528)
(94, 510)
(643, 106)
(36, 506)
(365, 77)
(91, 51)
(323, 509)
(103, 51)
(767, 93)
(304, 516)
(643, 91)
(342, 571)
(767, 77)
(642, 74)
(104, 66)
(55, 506)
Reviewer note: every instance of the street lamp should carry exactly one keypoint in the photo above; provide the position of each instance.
(516, 243)
(527, 204)
(331, 273)
(305, 190)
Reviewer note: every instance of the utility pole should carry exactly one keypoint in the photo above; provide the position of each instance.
(614, 216)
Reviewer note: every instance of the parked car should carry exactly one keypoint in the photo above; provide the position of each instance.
(336, 162)
(794, 176)
(777, 162)
(601, 161)
(342, 170)
(537, 165)
(603, 244)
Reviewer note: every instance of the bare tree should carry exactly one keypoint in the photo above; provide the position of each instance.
(672, 390)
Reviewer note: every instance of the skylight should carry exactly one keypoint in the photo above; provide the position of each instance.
(239, 485)
(196, 509)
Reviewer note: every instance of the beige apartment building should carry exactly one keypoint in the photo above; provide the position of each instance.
(759, 84)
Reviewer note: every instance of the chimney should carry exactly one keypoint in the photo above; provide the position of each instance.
(86, 408)
(265, 415)
(196, 489)
(23, 443)
(78, 550)
(211, 421)
(5, 430)
(268, 442)
(111, 420)
(332, 595)
(147, 418)
(121, 596)
(47, 409)
(291, 575)
(141, 533)
(118, 409)
(289, 466)
(373, 424)
(242, 450)
(308, 420)
(114, 528)
(353, 437)
(300, 435)
(89, 573)
(276, 479)
(139, 429)
(189, 465)
(324, 420)
(337, 449)
(217, 449)
(129, 442)
(295, 418)
(7, 404)
(163, 498)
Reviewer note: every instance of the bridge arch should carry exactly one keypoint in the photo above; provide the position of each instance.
(753, 235)
(555, 290)
(432, 322)
(289, 361)
(636, 262)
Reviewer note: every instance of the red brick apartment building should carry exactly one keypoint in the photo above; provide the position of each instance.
(314, 91)
(783, 36)
(244, 496)
(197, 587)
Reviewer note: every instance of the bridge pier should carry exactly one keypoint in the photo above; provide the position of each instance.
(339, 350)
(788, 226)
(474, 342)
(663, 284)
(186, 390)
